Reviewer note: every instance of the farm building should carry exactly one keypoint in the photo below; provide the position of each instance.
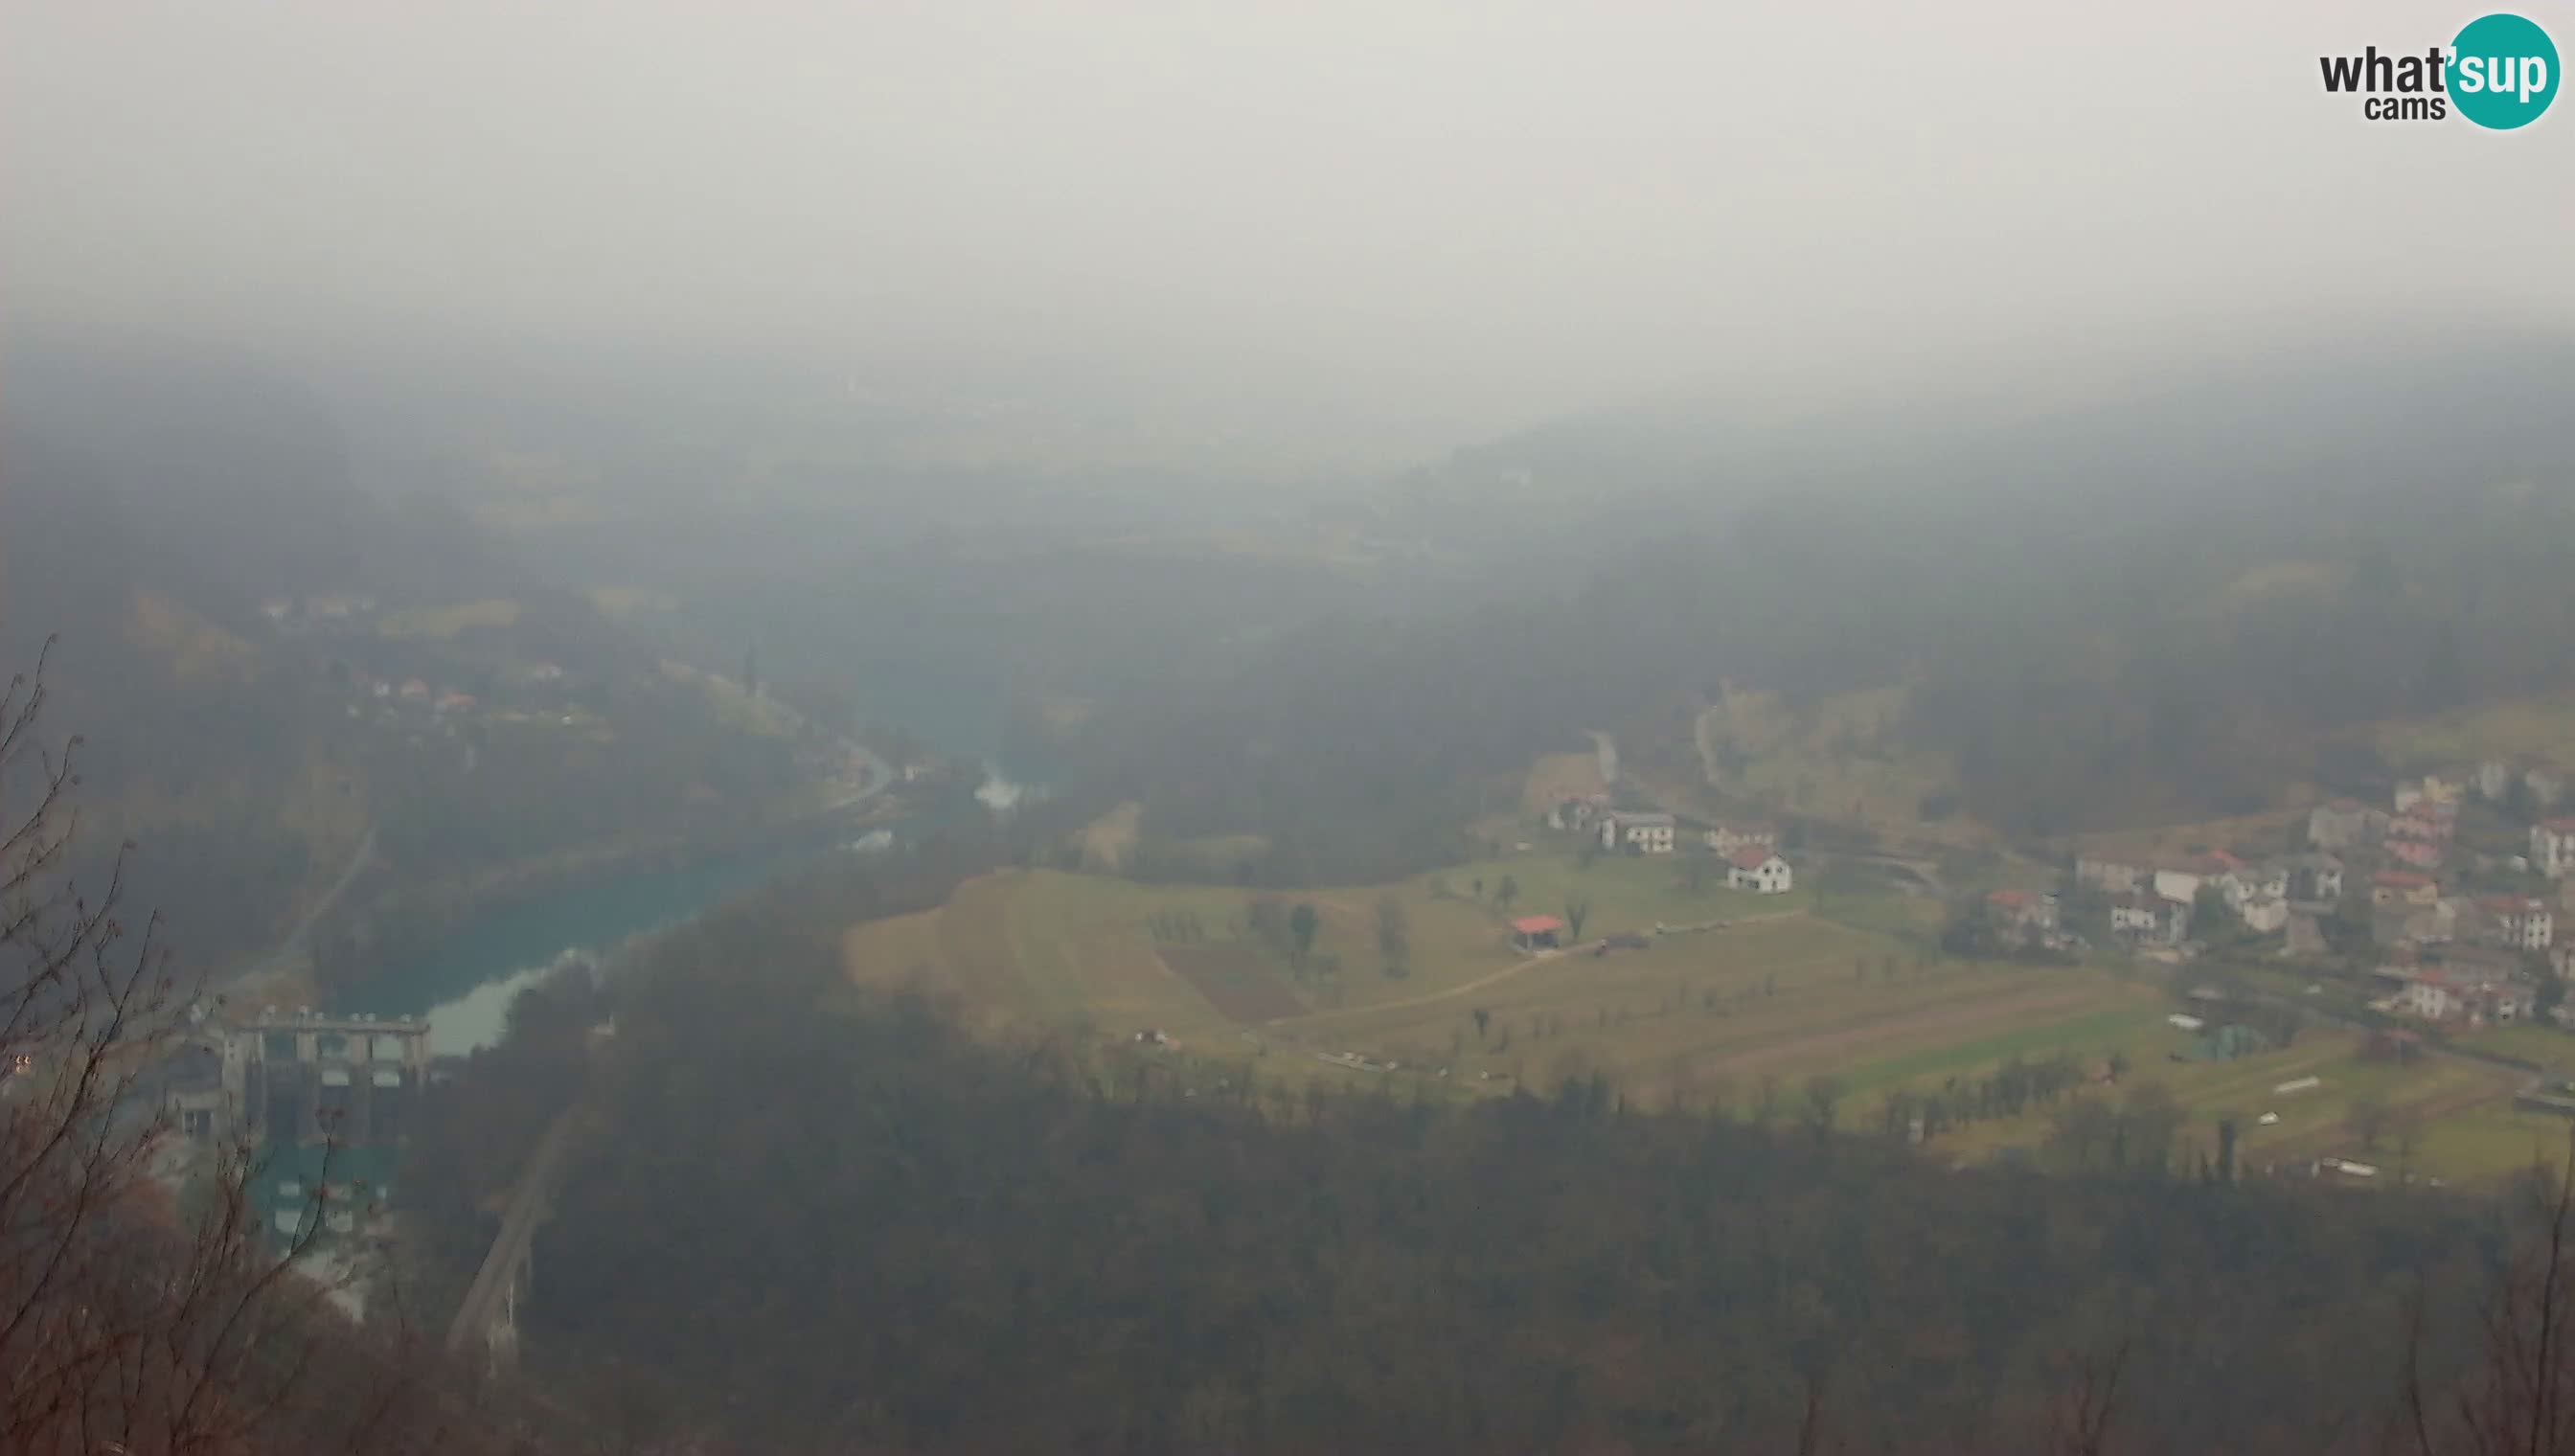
(2150, 917)
(2023, 910)
(1639, 834)
(1538, 932)
(2457, 992)
(1758, 869)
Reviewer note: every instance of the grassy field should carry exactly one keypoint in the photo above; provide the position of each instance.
(440, 623)
(626, 604)
(2538, 1044)
(2535, 730)
(1738, 1015)
(1625, 893)
(2272, 832)
(1776, 991)
(2444, 1117)
(198, 650)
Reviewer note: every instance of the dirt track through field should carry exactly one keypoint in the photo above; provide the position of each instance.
(1859, 1037)
(1490, 979)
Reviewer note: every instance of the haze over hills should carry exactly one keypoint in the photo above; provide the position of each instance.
(1187, 730)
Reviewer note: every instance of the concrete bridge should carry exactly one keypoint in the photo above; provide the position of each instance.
(486, 1322)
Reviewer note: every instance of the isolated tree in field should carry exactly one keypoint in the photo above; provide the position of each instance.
(1823, 1102)
(2367, 1116)
(1576, 911)
(1694, 873)
(1484, 1018)
(1506, 891)
(1478, 885)
(1393, 933)
(1303, 922)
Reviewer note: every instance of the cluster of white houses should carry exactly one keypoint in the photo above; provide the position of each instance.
(1751, 849)
(2449, 953)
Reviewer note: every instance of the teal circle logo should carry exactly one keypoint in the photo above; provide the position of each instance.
(2503, 72)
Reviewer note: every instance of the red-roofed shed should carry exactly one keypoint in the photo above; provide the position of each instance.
(1535, 932)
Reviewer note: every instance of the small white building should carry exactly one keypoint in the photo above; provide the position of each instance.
(2183, 880)
(2443, 994)
(2023, 910)
(2151, 917)
(2269, 880)
(2265, 914)
(2315, 878)
(1760, 870)
(1645, 834)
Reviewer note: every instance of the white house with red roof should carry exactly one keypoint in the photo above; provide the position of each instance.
(2183, 879)
(1759, 870)
(2465, 992)
(2023, 910)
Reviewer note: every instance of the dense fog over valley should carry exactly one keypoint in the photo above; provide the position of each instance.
(992, 727)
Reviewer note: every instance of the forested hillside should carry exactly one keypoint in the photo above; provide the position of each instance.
(2164, 608)
(820, 1219)
(235, 626)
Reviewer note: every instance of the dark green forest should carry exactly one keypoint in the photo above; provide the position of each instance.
(819, 1220)
(2160, 611)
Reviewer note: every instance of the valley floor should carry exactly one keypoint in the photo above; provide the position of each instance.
(1772, 1006)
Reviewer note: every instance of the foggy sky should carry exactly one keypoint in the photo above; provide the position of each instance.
(1381, 220)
